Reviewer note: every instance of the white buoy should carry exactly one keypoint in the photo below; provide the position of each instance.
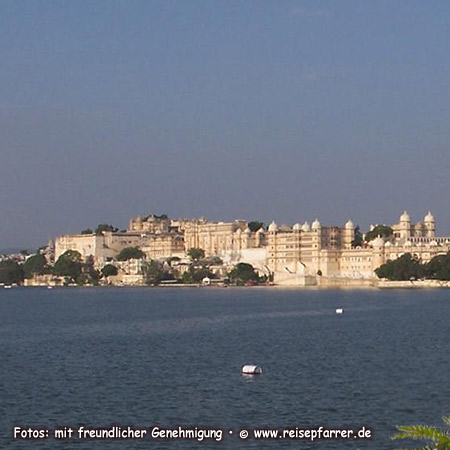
(339, 310)
(251, 370)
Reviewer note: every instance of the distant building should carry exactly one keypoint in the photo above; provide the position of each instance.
(299, 255)
(102, 247)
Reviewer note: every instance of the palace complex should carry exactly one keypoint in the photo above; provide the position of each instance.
(302, 254)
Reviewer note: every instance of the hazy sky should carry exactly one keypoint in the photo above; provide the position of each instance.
(283, 109)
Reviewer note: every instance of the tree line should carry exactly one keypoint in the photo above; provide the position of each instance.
(410, 267)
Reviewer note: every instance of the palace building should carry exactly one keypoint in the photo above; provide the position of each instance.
(301, 254)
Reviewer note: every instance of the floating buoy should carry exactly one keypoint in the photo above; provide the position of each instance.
(251, 370)
(339, 310)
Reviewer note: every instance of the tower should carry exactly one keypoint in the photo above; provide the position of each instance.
(429, 225)
(348, 235)
(405, 226)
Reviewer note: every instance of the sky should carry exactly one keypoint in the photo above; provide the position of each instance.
(285, 110)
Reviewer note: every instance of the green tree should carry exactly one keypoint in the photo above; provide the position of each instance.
(244, 273)
(130, 253)
(358, 240)
(88, 231)
(69, 264)
(379, 230)
(255, 225)
(439, 267)
(196, 253)
(438, 439)
(89, 274)
(109, 270)
(407, 267)
(154, 273)
(10, 272)
(35, 265)
(105, 227)
(196, 274)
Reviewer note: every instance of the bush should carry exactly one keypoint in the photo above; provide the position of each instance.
(130, 253)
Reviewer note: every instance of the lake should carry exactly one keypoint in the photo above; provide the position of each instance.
(169, 358)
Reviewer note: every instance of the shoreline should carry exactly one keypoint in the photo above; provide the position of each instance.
(334, 285)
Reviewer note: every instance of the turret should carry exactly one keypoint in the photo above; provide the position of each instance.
(429, 225)
(405, 225)
(273, 227)
(348, 234)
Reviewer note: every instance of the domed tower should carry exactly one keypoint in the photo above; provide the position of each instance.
(348, 235)
(315, 226)
(378, 258)
(405, 225)
(272, 247)
(273, 227)
(246, 235)
(260, 238)
(429, 225)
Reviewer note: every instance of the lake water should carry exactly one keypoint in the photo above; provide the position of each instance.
(169, 357)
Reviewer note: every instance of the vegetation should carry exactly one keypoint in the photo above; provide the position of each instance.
(196, 275)
(130, 253)
(215, 261)
(244, 273)
(161, 217)
(438, 268)
(255, 225)
(105, 227)
(379, 230)
(69, 264)
(10, 272)
(409, 267)
(35, 265)
(89, 275)
(358, 240)
(88, 231)
(154, 273)
(437, 438)
(196, 253)
(109, 270)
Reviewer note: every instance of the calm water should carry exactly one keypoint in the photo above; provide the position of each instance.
(170, 357)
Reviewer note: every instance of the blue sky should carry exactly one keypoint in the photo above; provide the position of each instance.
(286, 110)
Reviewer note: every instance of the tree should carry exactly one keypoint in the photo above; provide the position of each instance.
(10, 272)
(130, 253)
(105, 227)
(439, 267)
(89, 274)
(109, 270)
(196, 253)
(88, 231)
(196, 274)
(69, 264)
(244, 273)
(255, 225)
(405, 268)
(438, 439)
(35, 265)
(154, 273)
(358, 240)
(379, 230)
